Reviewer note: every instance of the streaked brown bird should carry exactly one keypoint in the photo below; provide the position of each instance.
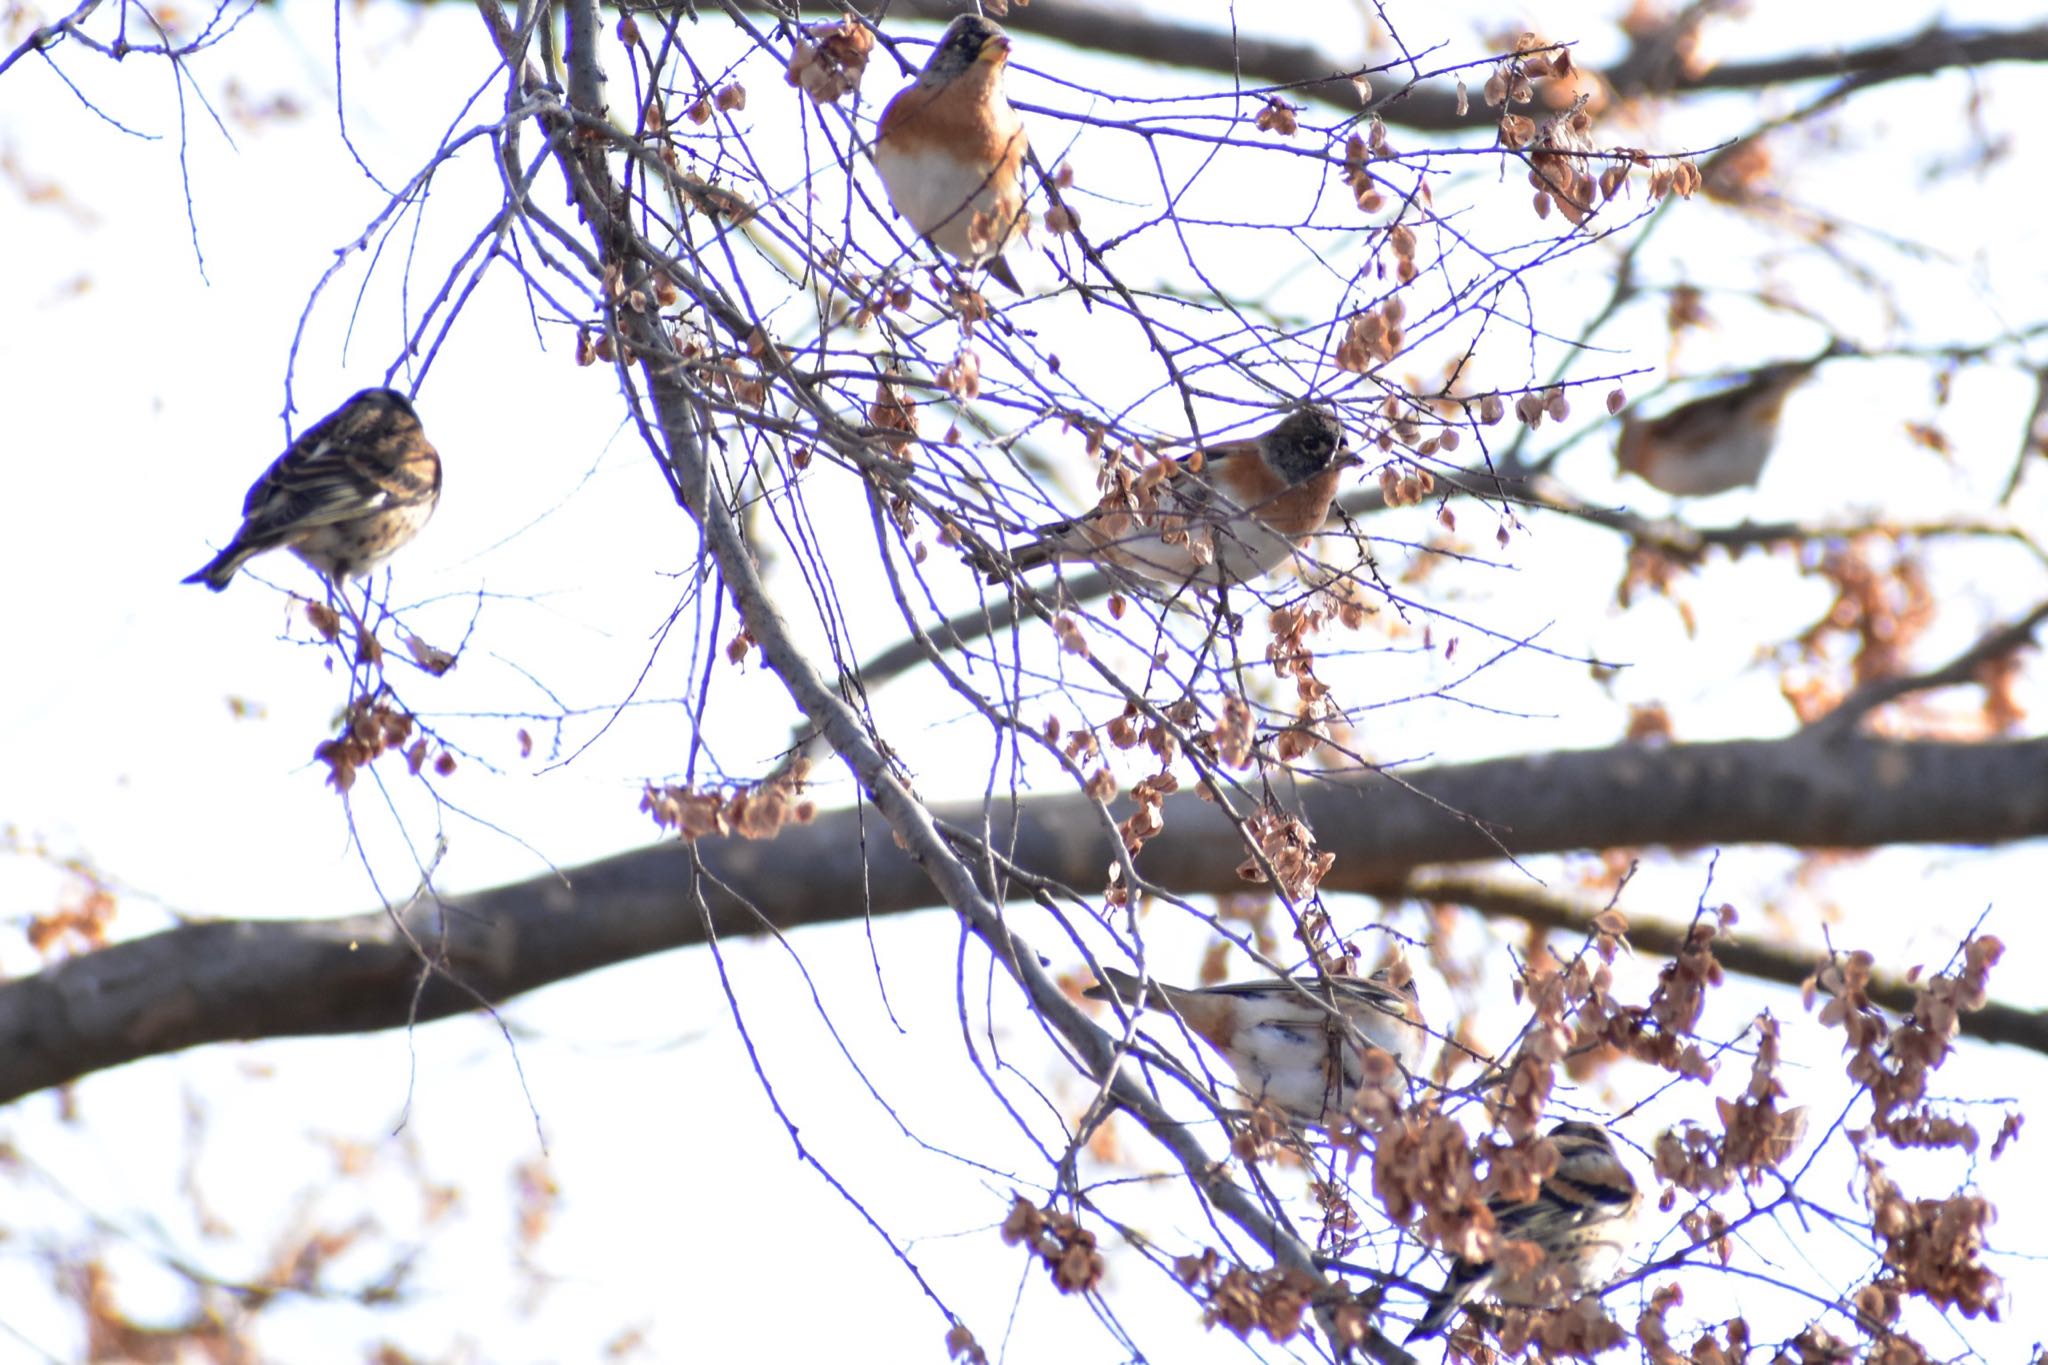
(347, 495)
(1582, 1217)
(1716, 443)
(1281, 1037)
(1229, 513)
(950, 150)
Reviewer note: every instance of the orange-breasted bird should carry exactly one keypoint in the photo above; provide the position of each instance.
(1716, 443)
(347, 495)
(951, 149)
(1298, 1043)
(1582, 1217)
(1241, 509)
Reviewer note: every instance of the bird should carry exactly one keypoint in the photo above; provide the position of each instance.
(1281, 1037)
(950, 150)
(1581, 1217)
(1230, 512)
(1716, 443)
(347, 495)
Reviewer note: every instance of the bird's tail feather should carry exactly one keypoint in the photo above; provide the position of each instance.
(1456, 1289)
(220, 570)
(1116, 985)
(999, 270)
(1036, 553)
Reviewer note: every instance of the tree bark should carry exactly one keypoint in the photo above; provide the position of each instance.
(1312, 71)
(205, 983)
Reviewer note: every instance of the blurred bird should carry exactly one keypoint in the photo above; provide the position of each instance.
(950, 149)
(345, 497)
(1283, 1044)
(1581, 1217)
(1249, 508)
(1715, 443)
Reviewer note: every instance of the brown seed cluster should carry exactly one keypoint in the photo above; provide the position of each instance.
(1359, 152)
(962, 1347)
(1560, 149)
(1272, 1301)
(1756, 1134)
(1067, 1249)
(1289, 848)
(829, 58)
(1884, 605)
(1234, 732)
(1373, 337)
(1933, 1248)
(758, 811)
(962, 378)
(80, 921)
(370, 728)
(1278, 116)
(1579, 1329)
(1893, 1064)
(1404, 485)
(1662, 1033)
(895, 411)
(1424, 1175)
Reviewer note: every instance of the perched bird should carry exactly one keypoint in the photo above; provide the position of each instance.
(1241, 510)
(344, 497)
(951, 149)
(1581, 1217)
(1283, 1044)
(1715, 443)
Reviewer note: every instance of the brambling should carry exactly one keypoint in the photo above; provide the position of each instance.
(1712, 444)
(1230, 512)
(347, 495)
(1285, 1047)
(1581, 1217)
(951, 150)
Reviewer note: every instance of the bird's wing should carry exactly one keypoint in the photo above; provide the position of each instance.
(351, 462)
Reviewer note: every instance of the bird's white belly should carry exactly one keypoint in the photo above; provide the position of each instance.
(1287, 1064)
(940, 195)
(1241, 548)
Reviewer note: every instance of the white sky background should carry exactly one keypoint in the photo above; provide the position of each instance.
(143, 398)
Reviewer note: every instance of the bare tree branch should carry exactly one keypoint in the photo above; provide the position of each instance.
(1788, 966)
(1966, 667)
(206, 983)
(1317, 72)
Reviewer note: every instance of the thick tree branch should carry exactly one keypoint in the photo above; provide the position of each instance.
(206, 983)
(1318, 71)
